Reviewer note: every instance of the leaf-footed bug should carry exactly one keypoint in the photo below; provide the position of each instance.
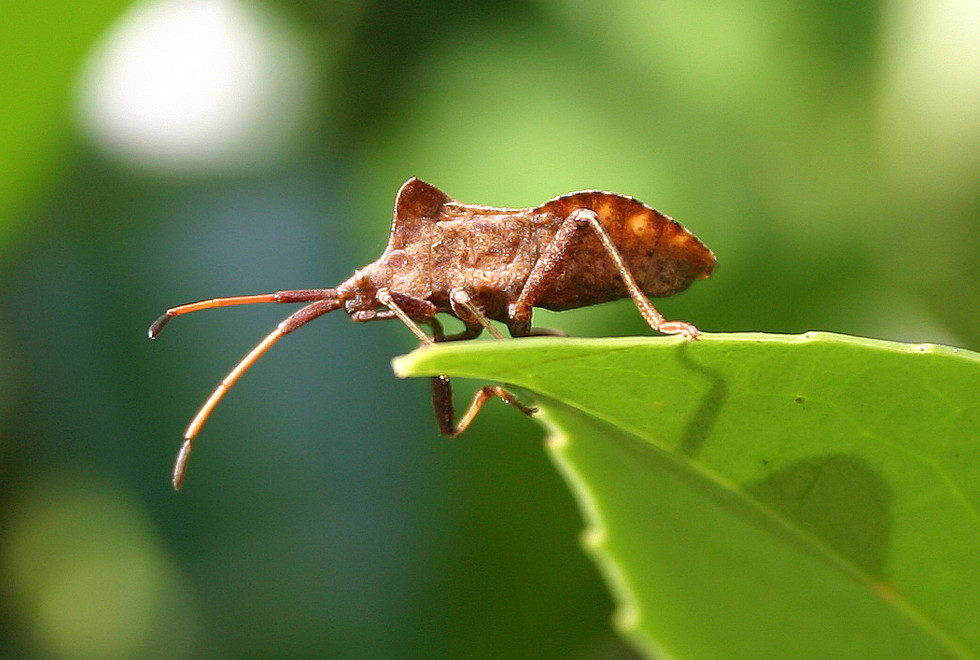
(481, 263)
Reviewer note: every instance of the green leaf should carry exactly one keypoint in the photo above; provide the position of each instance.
(753, 495)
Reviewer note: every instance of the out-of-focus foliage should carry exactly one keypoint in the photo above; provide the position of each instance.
(827, 152)
(40, 48)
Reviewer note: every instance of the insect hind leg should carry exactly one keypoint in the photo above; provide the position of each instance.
(649, 313)
(560, 251)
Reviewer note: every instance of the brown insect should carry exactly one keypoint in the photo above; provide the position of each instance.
(481, 263)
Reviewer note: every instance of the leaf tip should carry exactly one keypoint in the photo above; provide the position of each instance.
(402, 365)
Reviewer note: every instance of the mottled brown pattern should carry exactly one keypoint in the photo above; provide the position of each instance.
(490, 251)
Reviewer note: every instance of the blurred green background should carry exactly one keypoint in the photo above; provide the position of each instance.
(161, 152)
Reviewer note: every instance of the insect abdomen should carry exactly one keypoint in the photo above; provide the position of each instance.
(662, 255)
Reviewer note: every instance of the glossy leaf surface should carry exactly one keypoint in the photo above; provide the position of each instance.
(759, 495)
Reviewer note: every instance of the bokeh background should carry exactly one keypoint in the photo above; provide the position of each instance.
(164, 151)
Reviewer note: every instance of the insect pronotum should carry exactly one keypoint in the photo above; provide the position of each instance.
(482, 263)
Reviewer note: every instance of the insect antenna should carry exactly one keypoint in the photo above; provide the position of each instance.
(296, 296)
(324, 300)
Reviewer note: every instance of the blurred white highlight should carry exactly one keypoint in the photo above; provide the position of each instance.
(930, 99)
(196, 86)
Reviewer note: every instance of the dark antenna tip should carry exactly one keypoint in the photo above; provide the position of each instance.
(181, 465)
(157, 326)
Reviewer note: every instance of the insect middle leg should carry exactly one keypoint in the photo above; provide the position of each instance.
(559, 252)
(442, 389)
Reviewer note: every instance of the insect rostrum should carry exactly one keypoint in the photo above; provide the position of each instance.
(482, 263)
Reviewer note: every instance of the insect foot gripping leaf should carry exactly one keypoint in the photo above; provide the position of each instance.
(483, 264)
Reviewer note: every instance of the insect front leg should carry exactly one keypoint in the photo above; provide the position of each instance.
(397, 303)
